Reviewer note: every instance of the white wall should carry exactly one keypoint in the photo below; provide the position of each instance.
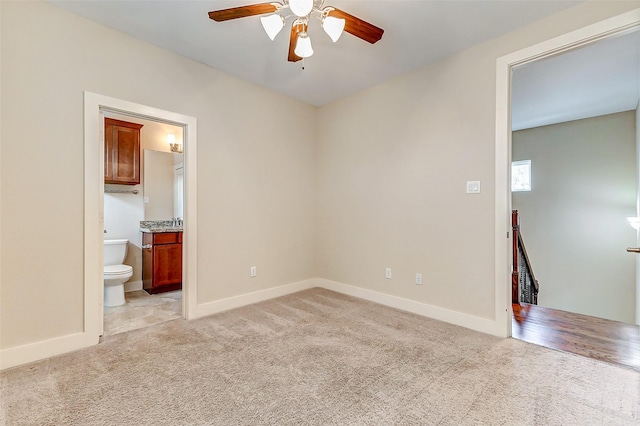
(378, 182)
(392, 165)
(638, 211)
(574, 219)
(255, 183)
(1, 185)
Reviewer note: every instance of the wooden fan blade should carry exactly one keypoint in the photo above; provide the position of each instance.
(358, 27)
(295, 29)
(242, 11)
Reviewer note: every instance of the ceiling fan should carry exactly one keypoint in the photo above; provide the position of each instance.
(333, 21)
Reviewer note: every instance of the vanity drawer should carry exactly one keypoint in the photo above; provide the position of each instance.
(167, 238)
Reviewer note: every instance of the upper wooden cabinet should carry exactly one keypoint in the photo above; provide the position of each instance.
(121, 152)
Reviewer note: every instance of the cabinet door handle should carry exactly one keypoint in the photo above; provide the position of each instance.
(147, 246)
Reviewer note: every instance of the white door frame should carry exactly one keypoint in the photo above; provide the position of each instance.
(94, 107)
(616, 25)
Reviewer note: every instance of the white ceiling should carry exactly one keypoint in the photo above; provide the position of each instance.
(417, 33)
(598, 79)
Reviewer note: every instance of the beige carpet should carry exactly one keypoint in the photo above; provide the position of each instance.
(317, 357)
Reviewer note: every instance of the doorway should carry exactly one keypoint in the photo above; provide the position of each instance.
(95, 108)
(156, 198)
(615, 26)
(573, 121)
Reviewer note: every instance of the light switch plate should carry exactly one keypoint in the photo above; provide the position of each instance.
(473, 187)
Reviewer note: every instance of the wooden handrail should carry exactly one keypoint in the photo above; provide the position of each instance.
(526, 260)
(518, 245)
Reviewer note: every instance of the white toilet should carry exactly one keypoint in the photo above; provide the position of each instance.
(115, 273)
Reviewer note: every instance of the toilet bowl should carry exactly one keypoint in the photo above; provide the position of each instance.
(115, 273)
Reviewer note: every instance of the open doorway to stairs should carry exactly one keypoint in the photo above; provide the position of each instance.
(96, 108)
(625, 347)
(573, 121)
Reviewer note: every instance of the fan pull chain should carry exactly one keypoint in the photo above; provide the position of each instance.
(303, 64)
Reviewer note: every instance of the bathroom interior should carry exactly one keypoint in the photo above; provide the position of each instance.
(143, 211)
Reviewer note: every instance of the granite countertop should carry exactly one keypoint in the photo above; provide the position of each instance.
(156, 226)
(164, 229)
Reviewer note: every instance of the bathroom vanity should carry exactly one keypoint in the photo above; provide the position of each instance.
(161, 259)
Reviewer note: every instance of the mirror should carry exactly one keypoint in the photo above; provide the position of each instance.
(162, 185)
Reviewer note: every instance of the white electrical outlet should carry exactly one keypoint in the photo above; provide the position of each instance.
(419, 279)
(387, 273)
(254, 271)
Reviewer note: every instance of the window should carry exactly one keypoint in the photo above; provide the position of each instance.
(521, 176)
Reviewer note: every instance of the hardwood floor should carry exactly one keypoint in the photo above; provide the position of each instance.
(598, 338)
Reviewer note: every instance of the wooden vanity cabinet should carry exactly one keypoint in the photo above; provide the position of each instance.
(121, 152)
(161, 261)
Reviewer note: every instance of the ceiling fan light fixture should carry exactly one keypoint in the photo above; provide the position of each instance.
(272, 25)
(275, 15)
(301, 7)
(303, 46)
(333, 27)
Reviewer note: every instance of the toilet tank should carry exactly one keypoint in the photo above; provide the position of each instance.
(115, 251)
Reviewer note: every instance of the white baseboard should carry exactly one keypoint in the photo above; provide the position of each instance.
(47, 348)
(480, 324)
(132, 286)
(24, 354)
(250, 298)
(483, 325)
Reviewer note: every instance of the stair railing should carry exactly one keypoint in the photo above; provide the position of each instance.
(524, 286)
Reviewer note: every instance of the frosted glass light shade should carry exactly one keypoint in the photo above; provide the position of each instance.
(303, 46)
(272, 25)
(175, 147)
(634, 222)
(301, 7)
(333, 27)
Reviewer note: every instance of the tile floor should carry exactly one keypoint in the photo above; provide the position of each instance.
(142, 310)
